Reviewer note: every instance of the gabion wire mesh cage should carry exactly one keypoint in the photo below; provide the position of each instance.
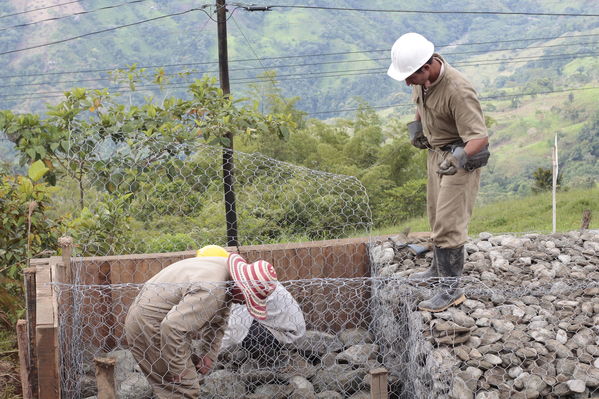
(132, 193)
(489, 347)
(175, 199)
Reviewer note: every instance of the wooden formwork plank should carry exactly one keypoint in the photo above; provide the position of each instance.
(29, 275)
(46, 336)
(48, 376)
(23, 346)
(378, 384)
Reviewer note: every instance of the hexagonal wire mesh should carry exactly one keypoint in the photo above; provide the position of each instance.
(321, 335)
(511, 340)
(132, 195)
(140, 201)
(500, 343)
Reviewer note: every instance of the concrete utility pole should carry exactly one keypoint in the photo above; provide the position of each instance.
(228, 178)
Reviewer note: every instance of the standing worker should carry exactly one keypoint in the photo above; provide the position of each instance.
(190, 299)
(450, 124)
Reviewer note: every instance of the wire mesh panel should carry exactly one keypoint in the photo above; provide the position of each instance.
(154, 197)
(320, 343)
(499, 343)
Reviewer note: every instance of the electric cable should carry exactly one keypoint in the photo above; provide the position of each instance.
(523, 13)
(293, 56)
(70, 15)
(488, 98)
(274, 84)
(544, 57)
(103, 31)
(40, 9)
(328, 74)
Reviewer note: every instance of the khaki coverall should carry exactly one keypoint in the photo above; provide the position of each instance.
(186, 300)
(450, 112)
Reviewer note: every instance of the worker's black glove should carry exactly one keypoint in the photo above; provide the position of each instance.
(417, 137)
(453, 161)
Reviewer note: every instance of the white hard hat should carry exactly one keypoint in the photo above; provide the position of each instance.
(408, 54)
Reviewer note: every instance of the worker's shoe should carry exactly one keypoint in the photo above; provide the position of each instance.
(428, 277)
(450, 263)
(443, 300)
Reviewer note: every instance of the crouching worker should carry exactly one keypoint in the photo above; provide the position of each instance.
(187, 300)
(264, 339)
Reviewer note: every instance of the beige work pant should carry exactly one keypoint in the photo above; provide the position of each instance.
(143, 337)
(449, 200)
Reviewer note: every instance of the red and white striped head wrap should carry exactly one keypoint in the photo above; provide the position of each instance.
(255, 280)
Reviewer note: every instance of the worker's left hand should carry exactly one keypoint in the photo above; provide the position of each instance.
(203, 365)
(454, 161)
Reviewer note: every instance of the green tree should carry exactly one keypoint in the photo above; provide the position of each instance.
(363, 147)
(26, 232)
(405, 202)
(543, 180)
(99, 142)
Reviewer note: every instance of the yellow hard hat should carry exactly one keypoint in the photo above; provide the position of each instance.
(212, 250)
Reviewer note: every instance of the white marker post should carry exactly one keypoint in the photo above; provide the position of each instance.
(555, 172)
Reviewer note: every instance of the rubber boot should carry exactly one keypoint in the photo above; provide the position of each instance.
(450, 262)
(427, 277)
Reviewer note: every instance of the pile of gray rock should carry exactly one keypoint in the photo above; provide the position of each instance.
(529, 328)
(318, 366)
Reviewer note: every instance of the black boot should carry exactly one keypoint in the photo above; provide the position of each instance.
(450, 263)
(427, 277)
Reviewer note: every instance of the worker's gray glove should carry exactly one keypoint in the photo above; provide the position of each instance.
(417, 137)
(454, 161)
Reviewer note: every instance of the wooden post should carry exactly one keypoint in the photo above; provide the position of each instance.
(105, 377)
(107, 320)
(66, 244)
(31, 303)
(22, 342)
(378, 383)
(586, 219)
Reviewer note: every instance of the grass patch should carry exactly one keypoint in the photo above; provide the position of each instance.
(521, 215)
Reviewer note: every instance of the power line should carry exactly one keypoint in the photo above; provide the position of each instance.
(492, 61)
(370, 71)
(262, 66)
(324, 74)
(105, 30)
(437, 11)
(257, 58)
(488, 98)
(71, 15)
(39, 9)
(367, 71)
(308, 55)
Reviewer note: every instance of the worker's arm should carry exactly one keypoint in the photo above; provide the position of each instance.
(469, 120)
(192, 314)
(285, 319)
(474, 146)
(214, 335)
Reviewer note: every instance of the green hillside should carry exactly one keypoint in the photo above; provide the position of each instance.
(537, 74)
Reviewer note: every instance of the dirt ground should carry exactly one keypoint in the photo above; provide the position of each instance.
(10, 385)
